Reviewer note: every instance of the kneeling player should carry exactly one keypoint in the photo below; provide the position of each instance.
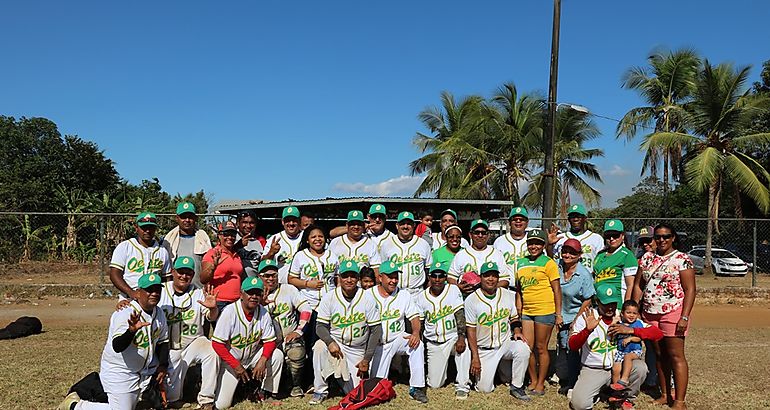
(245, 339)
(348, 327)
(443, 316)
(185, 307)
(489, 312)
(291, 312)
(136, 350)
(396, 306)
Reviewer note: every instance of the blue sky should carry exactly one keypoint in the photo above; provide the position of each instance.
(307, 99)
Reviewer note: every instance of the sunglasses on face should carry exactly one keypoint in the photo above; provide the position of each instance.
(346, 275)
(269, 275)
(480, 233)
(645, 241)
(231, 234)
(185, 272)
(437, 275)
(612, 236)
(664, 237)
(567, 251)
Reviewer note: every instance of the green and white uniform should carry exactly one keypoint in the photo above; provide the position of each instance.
(470, 260)
(512, 250)
(135, 260)
(307, 266)
(284, 256)
(613, 268)
(364, 252)
(411, 257)
(591, 243)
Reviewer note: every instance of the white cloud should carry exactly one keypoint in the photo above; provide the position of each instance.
(403, 185)
(618, 171)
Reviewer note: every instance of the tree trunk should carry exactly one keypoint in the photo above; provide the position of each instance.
(713, 212)
(666, 154)
(72, 235)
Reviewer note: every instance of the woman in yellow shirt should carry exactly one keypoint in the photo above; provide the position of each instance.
(538, 295)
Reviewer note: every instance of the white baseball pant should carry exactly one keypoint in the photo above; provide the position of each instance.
(516, 351)
(228, 381)
(438, 360)
(384, 355)
(198, 351)
(321, 359)
(116, 401)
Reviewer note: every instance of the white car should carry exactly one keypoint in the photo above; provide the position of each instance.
(723, 262)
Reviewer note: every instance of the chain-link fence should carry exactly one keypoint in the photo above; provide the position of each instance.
(76, 248)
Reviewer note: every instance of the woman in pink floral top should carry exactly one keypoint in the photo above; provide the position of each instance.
(666, 290)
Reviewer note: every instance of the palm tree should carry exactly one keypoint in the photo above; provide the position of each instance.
(720, 111)
(514, 125)
(573, 171)
(665, 85)
(456, 164)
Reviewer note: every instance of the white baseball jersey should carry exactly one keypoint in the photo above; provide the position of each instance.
(378, 239)
(412, 257)
(591, 243)
(284, 257)
(135, 260)
(512, 249)
(438, 312)
(349, 321)
(184, 315)
(285, 303)
(491, 317)
(307, 266)
(438, 242)
(243, 337)
(364, 252)
(470, 260)
(394, 310)
(122, 372)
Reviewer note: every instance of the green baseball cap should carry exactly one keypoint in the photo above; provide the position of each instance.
(349, 266)
(148, 280)
(450, 212)
(442, 267)
(613, 225)
(606, 293)
(405, 216)
(537, 234)
(489, 267)
(290, 211)
(184, 262)
(377, 209)
(146, 218)
(185, 208)
(389, 268)
(267, 263)
(252, 283)
(355, 216)
(577, 209)
(477, 222)
(518, 211)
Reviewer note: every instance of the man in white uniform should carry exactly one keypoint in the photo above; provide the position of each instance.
(288, 242)
(443, 317)
(354, 245)
(377, 231)
(290, 312)
(348, 329)
(448, 218)
(490, 312)
(245, 339)
(136, 350)
(396, 307)
(185, 307)
(138, 256)
(513, 245)
(411, 253)
(472, 258)
(592, 242)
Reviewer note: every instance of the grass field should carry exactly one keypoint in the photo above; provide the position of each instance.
(728, 351)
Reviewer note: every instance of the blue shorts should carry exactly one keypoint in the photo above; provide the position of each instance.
(544, 319)
(620, 355)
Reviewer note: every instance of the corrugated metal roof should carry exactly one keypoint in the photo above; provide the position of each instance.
(232, 206)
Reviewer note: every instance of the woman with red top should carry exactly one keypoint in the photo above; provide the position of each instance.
(222, 267)
(666, 289)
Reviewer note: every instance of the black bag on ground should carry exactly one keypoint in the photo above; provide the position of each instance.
(90, 389)
(21, 327)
